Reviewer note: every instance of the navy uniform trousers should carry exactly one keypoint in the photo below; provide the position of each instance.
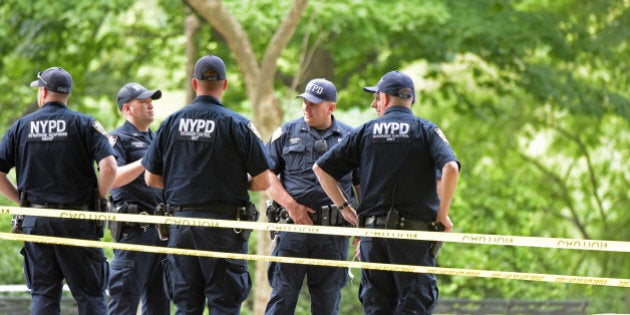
(324, 283)
(85, 269)
(134, 272)
(387, 292)
(192, 280)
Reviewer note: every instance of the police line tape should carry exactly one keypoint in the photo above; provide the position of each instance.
(323, 262)
(489, 239)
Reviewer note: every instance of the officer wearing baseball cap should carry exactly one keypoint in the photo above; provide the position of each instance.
(294, 147)
(397, 155)
(202, 157)
(135, 275)
(54, 151)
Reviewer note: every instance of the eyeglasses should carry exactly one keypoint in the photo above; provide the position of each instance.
(39, 77)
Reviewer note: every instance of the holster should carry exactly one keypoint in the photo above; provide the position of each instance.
(276, 214)
(437, 245)
(116, 227)
(393, 221)
(100, 205)
(162, 229)
(246, 213)
(16, 221)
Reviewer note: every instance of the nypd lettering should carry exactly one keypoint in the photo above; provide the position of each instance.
(315, 89)
(390, 132)
(47, 130)
(196, 129)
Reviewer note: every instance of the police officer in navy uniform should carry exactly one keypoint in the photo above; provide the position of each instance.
(135, 275)
(53, 151)
(294, 147)
(206, 157)
(397, 155)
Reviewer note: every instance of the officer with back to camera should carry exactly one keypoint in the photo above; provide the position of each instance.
(397, 155)
(203, 157)
(294, 147)
(53, 151)
(135, 275)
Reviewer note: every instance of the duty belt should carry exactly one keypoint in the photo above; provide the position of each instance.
(327, 215)
(59, 206)
(404, 223)
(220, 208)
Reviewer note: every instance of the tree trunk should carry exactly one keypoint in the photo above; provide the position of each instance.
(190, 29)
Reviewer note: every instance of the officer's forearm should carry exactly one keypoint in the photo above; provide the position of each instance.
(329, 184)
(154, 180)
(107, 174)
(261, 181)
(277, 192)
(8, 188)
(127, 173)
(450, 174)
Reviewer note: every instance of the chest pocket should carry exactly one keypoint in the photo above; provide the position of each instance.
(294, 157)
(136, 150)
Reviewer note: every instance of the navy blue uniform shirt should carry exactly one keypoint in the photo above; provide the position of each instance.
(203, 153)
(131, 145)
(397, 155)
(294, 150)
(53, 151)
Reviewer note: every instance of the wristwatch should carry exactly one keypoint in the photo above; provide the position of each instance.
(343, 206)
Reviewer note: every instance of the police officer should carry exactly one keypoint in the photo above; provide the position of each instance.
(53, 151)
(203, 156)
(135, 275)
(397, 155)
(294, 147)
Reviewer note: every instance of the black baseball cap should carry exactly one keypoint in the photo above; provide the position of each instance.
(392, 83)
(210, 62)
(319, 90)
(54, 79)
(135, 90)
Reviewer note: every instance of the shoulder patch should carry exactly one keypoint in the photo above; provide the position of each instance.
(112, 139)
(440, 134)
(251, 127)
(276, 134)
(99, 128)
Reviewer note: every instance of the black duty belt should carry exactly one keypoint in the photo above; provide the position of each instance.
(223, 209)
(59, 206)
(375, 221)
(327, 215)
(404, 223)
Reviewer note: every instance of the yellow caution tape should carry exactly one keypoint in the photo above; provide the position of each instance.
(323, 262)
(545, 242)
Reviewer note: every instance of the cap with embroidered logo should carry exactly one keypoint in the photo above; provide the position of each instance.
(207, 63)
(319, 90)
(393, 83)
(135, 90)
(54, 79)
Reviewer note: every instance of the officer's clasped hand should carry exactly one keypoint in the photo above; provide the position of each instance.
(350, 215)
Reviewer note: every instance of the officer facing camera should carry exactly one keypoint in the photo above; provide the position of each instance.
(300, 200)
(135, 275)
